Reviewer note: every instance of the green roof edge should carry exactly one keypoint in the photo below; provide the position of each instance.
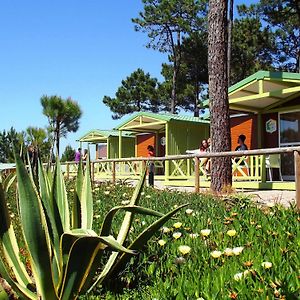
(103, 132)
(259, 75)
(163, 117)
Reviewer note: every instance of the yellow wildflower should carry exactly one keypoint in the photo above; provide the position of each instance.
(194, 235)
(177, 225)
(177, 235)
(165, 230)
(162, 242)
(228, 252)
(231, 232)
(216, 254)
(205, 232)
(237, 250)
(184, 249)
(238, 276)
(189, 211)
(267, 265)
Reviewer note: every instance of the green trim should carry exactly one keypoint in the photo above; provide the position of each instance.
(120, 144)
(92, 135)
(284, 109)
(261, 75)
(162, 117)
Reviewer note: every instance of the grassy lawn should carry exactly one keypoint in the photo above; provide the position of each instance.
(258, 236)
(235, 249)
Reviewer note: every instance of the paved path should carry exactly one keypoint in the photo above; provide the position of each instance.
(285, 198)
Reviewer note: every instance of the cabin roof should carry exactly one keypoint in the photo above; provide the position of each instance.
(263, 91)
(97, 135)
(143, 121)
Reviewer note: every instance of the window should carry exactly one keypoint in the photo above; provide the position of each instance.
(290, 128)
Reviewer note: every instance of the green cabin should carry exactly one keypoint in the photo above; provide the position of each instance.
(169, 134)
(107, 143)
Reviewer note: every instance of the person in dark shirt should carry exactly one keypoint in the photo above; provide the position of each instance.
(241, 141)
(150, 149)
(241, 147)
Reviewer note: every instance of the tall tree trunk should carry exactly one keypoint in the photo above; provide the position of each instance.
(174, 86)
(230, 25)
(176, 68)
(221, 172)
(196, 108)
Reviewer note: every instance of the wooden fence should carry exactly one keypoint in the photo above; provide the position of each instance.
(131, 167)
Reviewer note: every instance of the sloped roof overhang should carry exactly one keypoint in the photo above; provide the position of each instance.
(263, 91)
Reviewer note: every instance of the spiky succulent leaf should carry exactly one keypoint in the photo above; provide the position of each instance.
(79, 266)
(142, 239)
(76, 209)
(34, 228)
(23, 292)
(107, 223)
(86, 198)
(54, 224)
(9, 243)
(124, 230)
(59, 195)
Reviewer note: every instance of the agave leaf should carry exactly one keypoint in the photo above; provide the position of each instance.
(8, 181)
(147, 233)
(124, 230)
(59, 195)
(79, 266)
(53, 220)
(66, 242)
(10, 245)
(106, 226)
(126, 224)
(76, 209)
(86, 198)
(21, 291)
(34, 228)
(140, 241)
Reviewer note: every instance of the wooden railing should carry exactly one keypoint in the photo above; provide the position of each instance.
(246, 166)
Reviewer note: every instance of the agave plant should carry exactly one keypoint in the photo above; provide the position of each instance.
(65, 253)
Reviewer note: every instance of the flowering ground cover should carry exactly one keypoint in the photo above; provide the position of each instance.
(214, 249)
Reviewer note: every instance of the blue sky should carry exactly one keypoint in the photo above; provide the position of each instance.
(72, 48)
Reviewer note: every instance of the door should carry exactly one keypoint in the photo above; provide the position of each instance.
(289, 136)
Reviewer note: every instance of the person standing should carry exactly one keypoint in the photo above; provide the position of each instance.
(85, 154)
(241, 143)
(78, 155)
(150, 149)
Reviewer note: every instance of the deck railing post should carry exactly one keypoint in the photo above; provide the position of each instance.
(197, 175)
(297, 177)
(114, 172)
(263, 168)
(68, 169)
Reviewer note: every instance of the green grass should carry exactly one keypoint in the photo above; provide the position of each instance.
(162, 272)
(267, 235)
